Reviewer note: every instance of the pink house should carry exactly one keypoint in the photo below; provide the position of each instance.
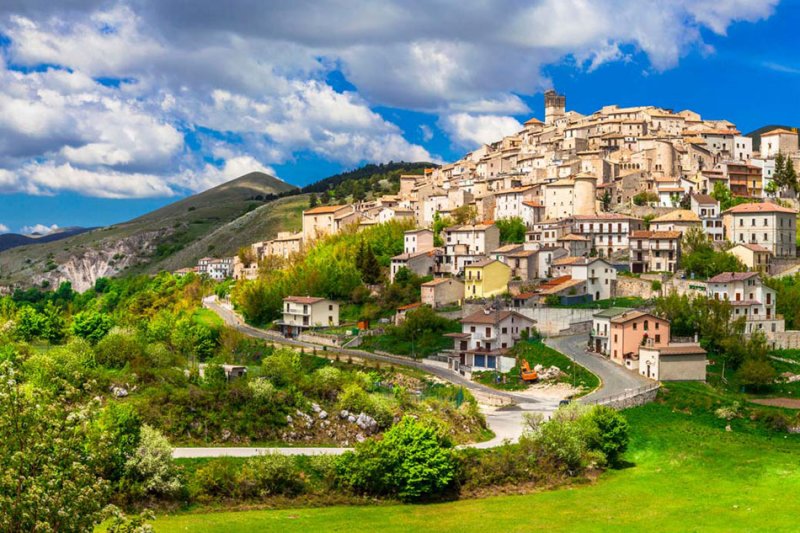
(632, 330)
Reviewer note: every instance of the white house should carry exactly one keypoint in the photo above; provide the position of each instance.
(467, 244)
(706, 208)
(484, 341)
(769, 225)
(750, 299)
(304, 312)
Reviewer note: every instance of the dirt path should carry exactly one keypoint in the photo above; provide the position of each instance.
(788, 403)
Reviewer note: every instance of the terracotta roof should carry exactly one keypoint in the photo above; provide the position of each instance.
(573, 237)
(627, 317)
(493, 317)
(533, 203)
(682, 348)
(507, 248)
(303, 299)
(569, 260)
(417, 231)
(754, 247)
(761, 207)
(469, 227)
(727, 277)
(483, 262)
(323, 209)
(679, 215)
(409, 306)
(645, 234)
(779, 131)
(704, 199)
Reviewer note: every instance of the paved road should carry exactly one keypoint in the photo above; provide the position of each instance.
(507, 423)
(615, 378)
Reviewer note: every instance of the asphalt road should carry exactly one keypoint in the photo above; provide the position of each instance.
(507, 423)
(615, 379)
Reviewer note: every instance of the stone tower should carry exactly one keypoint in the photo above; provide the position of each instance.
(585, 195)
(555, 106)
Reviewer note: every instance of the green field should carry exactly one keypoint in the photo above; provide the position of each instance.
(685, 473)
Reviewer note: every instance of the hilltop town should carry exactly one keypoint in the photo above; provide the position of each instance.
(578, 210)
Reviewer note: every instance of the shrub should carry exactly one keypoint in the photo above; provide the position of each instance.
(151, 467)
(270, 475)
(412, 462)
(774, 420)
(283, 368)
(354, 399)
(262, 389)
(116, 349)
(91, 325)
(610, 432)
(218, 478)
(327, 381)
(655, 285)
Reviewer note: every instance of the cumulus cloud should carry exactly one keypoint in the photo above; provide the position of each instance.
(470, 131)
(41, 229)
(132, 79)
(4, 228)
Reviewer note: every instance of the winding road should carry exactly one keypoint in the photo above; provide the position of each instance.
(506, 422)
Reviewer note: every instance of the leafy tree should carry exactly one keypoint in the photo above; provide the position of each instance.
(756, 373)
(772, 188)
(150, 467)
(51, 480)
(610, 433)
(247, 256)
(465, 214)
(645, 197)
(312, 201)
(412, 461)
(512, 230)
(53, 324)
(606, 200)
(30, 323)
(701, 259)
(91, 325)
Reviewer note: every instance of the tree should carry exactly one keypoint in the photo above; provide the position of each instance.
(412, 461)
(247, 256)
(465, 214)
(606, 200)
(53, 324)
(30, 323)
(51, 479)
(367, 263)
(91, 325)
(790, 175)
(151, 468)
(312, 201)
(756, 373)
(610, 432)
(779, 173)
(512, 230)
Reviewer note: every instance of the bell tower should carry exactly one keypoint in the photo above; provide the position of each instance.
(555, 106)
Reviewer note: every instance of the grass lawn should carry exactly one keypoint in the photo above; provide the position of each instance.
(429, 343)
(686, 473)
(208, 318)
(538, 353)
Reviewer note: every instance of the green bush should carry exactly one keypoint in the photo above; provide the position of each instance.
(412, 462)
(218, 478)
(116, 349)
(269, 475)
(609, 433)
(354, 399)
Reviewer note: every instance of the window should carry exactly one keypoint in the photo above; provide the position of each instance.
(472, 329)
(504, 330)
(480, 360)
(634, 326)
(491, 361)
(330, 307)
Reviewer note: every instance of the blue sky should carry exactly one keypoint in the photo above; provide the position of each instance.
(109, 110)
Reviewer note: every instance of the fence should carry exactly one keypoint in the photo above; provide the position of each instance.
(632, 398)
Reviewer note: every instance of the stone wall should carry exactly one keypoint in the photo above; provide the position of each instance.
(316, 338)
(627, 400)
(643, 287)
(784, 340)
(552, 321)
(627, 286)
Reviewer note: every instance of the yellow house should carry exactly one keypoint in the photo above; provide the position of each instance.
(486, 278)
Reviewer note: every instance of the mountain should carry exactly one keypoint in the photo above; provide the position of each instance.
(216, 222)
(756, 134)
(144, 244)
(12, 240)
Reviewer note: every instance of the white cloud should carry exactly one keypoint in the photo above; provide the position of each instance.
(426, 131)
(41, 229)
(255, 73)
(4, 229)
(470, 131)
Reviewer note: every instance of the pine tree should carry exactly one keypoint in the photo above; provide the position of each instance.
(312, 201)
(790, 175)
(371, 269)
(779, 174)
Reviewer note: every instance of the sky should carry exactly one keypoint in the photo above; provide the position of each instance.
(109, 109)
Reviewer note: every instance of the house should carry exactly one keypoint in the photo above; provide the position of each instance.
(326, 220)
(303, 312)
(285, 244)
(655, 251)
(566, 289)
(769, 225)
(418, 240)
(441, 292)
(601, 328)
(486, 278)
(400, 314)
(685, 361)
(545, 257)
(607, 232)
(575, 245)
(244, 271)
(231, 371)
(420, 263)
(485, 339)
(754, 256)
(632, 330)
(600, 276)
(750, 299)
(523, 264)
(468, 243)
(707, 210)
(680, 220)
(778, 140)
(509, 202)
(216, 269)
